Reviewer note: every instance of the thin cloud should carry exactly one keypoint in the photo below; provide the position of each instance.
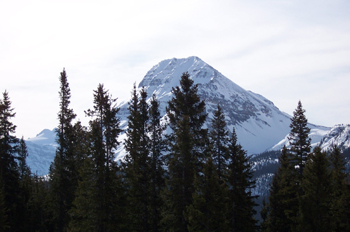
(284, 50)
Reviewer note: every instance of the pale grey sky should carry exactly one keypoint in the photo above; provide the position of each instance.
(285, 50)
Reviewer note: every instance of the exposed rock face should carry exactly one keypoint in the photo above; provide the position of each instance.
(258, 122)
(339, 135)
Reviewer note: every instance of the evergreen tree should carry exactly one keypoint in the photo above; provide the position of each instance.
(137, 162)
(299, 138)
(8, 166)
(240, 182)
(157, 178)
(315, 203)
(24, 170)
(186, 113)
(63, 169)
(219, 139)
(25, 182)
(96, 206)
(208, 210)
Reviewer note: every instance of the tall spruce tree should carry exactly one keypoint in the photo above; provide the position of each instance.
(63, 183)
(219, 140)
(157, 175)
(25, 181)
(97, 206)
(24, 170)
(186, 113)
(240, 181)
(299, 140)
(315, 211)
(137, 162)
(8, 166)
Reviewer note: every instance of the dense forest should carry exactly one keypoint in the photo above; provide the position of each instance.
(191, 178)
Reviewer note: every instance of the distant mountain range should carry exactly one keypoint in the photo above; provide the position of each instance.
(259, 124)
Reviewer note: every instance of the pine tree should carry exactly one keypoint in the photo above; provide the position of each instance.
(240, 182)
(315, 203)
(219, 139)
(186, 113)
(208, 210)
(8, 166)
(24, 170)
(157, 177)
(96, 206)
(137, 162)
(299, 138)
(25, 182)
(63, 169)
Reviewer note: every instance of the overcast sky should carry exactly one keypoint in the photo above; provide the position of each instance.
(285, 50)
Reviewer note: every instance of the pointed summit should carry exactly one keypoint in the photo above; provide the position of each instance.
(167, 74)
(258, 123)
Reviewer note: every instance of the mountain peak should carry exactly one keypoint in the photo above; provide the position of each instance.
(45, 137)
(258, 123)
(169, 71)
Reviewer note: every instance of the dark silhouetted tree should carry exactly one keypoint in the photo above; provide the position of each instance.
(137, 163)
(186, 113)
(157, 173)
(9, 173)
(63, 171)
(219, 140)
(97, 203)
(299, 140)
(240, 181)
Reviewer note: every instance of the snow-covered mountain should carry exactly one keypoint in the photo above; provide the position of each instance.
(41, 150)
(339, 135)
(259, 124)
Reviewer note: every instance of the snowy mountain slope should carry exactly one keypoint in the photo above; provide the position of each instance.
(45, 137)
(41, 151)
(316, 134)
(339, 135)
(258, 122)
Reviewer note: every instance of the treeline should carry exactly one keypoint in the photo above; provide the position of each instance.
(177, 175)
(191, 179)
